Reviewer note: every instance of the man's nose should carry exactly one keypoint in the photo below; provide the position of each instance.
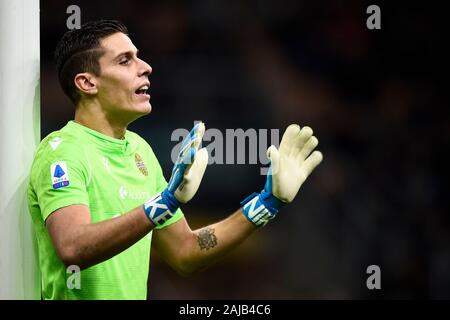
(145, 69)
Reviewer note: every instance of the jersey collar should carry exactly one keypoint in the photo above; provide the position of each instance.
(101, 139)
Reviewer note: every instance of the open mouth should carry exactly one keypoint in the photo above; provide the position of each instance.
(142, 91)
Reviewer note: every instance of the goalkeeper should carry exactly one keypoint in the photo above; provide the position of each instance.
(97, 195)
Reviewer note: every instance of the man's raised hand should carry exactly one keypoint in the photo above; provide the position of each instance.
(292, 163)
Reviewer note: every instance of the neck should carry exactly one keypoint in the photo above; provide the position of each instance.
(94, 117)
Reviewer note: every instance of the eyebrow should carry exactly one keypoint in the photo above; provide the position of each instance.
(127, 53)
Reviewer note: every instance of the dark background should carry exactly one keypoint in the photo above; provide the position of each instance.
(375, 99)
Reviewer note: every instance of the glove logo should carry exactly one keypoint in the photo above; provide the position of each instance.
(250, 208)
(256, 212)
(157, 210)
(140, 164)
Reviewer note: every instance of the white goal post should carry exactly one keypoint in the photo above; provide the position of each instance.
(19, 137)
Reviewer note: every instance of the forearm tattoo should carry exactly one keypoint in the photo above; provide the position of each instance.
(206, 239)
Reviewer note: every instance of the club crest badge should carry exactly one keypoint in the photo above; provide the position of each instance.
(140, 164)
(59, 174)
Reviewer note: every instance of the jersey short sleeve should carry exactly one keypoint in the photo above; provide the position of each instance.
(59, 178)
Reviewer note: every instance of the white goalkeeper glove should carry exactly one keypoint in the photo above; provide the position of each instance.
(187, 174)
(289, 168)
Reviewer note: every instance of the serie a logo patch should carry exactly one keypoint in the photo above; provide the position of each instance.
(60, 176)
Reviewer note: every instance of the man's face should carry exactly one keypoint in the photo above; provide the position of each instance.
(123, 81)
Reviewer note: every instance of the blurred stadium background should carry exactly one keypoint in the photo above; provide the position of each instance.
(374, 99)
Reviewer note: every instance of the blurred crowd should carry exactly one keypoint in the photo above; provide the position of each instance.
(374, 98)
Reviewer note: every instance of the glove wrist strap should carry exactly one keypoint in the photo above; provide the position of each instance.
(161, 207)
(272, 203)
(261, 208)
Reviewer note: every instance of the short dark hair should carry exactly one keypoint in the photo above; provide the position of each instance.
(79, 51)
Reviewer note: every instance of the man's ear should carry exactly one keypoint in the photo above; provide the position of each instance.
(86, 83)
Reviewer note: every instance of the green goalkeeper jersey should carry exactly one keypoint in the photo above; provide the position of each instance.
(77, 165)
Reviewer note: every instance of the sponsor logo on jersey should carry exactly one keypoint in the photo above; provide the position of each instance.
(128, 194)
(123, 193)
(140, 164)
(60, 176)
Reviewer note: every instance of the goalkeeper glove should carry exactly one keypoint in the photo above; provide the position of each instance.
(289, 168)
(187, 174)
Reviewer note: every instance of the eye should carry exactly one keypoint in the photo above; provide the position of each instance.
(124, 61)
